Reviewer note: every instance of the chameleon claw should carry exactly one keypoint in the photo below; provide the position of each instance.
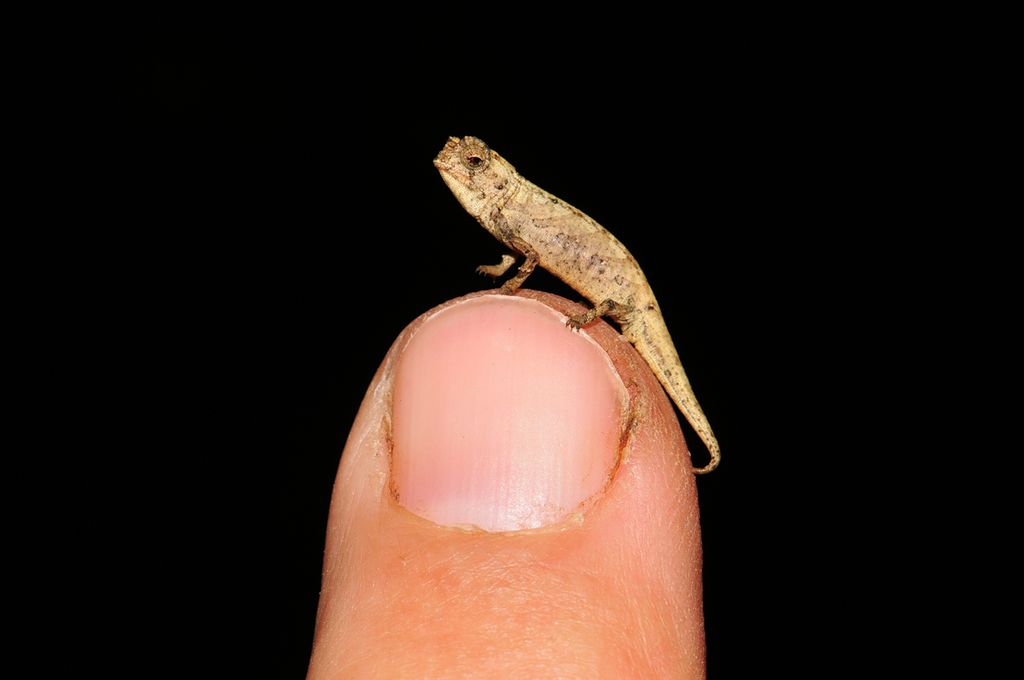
(496, 270)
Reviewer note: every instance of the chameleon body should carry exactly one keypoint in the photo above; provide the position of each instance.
(562, 239)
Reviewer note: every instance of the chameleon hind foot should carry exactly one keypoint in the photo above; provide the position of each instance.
(606, 308)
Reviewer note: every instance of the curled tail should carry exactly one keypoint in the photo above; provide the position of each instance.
(655, 345)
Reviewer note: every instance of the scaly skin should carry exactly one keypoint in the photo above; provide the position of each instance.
(572, 246)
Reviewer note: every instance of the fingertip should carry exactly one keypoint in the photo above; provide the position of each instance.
(488, 412)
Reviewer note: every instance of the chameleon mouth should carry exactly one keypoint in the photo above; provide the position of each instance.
(447, 153)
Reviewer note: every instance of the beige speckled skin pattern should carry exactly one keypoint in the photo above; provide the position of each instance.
(562, 239)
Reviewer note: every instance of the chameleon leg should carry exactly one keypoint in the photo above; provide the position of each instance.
(525, 269)
(496, 270)
(615, 310)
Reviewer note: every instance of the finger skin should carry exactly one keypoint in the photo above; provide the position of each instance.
(613, 591)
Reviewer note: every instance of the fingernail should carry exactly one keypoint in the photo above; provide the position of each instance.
(503, 418)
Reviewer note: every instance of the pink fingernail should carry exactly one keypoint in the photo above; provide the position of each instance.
(503, 419)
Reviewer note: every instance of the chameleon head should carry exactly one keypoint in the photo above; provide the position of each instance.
(475, 174)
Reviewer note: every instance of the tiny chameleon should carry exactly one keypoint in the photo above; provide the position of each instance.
(549, 232)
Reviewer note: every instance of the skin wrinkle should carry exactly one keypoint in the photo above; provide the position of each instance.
(502, 589)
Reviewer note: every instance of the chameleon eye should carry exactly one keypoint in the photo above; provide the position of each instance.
(475, 156)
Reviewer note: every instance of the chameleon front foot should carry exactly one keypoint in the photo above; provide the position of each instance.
(525, 269)
(496, 270)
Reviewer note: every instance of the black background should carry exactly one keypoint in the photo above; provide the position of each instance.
(278, 221)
